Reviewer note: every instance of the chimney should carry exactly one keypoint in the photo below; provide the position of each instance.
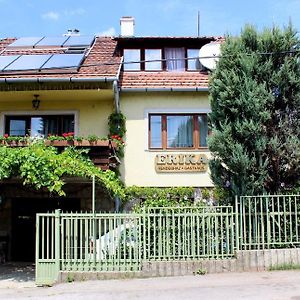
(127, 26)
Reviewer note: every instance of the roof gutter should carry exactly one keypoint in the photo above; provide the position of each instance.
(116, 89)
(165, 89)
(57, 80)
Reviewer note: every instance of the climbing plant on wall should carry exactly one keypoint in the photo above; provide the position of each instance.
(43, 167)
(116, 123)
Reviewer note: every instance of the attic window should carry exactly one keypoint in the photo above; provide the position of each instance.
(131, 56)
(193, 63)
(153, 59)
(175, 59)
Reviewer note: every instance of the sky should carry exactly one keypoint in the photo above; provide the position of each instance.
(152, 18)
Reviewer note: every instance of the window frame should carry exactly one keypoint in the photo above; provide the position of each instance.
(164, 134)
(5, 114)
(163, 58)
(187, 60)
(59, 119)
(141, 55)
(144, 63)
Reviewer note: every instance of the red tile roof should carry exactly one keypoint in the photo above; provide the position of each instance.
(100, 60)
(164, 80)
(5, 42)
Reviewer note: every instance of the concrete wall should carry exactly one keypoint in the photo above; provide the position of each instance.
(138, 168)
(245, 261)
(92, 107)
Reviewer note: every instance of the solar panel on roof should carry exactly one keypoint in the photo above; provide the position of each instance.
(52, 41)
(28, 62)
(25, 42)
(64, 61)
(6, 60)
(79, 41)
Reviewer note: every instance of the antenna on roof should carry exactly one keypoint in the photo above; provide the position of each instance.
(198, 24)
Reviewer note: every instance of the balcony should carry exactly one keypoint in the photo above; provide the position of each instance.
(101, 151)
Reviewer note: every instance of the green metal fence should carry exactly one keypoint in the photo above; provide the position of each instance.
(268, 221)
(121, 242)
(188, 233)
(86, 242)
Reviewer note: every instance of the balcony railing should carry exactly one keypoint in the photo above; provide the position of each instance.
(102, 152)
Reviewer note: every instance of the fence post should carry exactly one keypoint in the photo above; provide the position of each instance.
(37, 246)
(268, 223)
(57, 240)
(237, 225)
(144, 233)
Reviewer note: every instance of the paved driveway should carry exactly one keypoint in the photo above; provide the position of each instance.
(278, 285)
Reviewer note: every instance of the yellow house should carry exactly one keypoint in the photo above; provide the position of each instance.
(164, 96)
(71, 84)
(54, 86)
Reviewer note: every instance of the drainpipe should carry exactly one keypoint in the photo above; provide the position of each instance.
(116, 89)
(116, 96)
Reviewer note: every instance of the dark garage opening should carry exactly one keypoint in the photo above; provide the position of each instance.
(24, 212)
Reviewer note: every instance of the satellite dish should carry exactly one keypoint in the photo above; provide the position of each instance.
(209, 55)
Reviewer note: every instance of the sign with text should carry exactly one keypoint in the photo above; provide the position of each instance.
(185, 162)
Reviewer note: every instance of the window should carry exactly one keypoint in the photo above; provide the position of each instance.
(169, 59)
(131, 55)
(175, 59)
(193, 63)
(39, 126)
(156, 131)
(180, 131)
(153, 54)
(177, 131)
(203, 130)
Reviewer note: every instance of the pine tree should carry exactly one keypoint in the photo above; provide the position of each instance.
(255, 100)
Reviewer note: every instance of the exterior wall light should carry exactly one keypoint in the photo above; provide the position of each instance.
(36, 102)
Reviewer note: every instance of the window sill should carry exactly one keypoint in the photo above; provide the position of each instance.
(203, 149)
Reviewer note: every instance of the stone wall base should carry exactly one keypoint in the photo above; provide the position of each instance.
(245, 261)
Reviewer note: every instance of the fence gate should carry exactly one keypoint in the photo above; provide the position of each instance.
(86, 242)
(47, 248)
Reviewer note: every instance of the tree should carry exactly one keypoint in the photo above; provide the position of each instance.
(255, 100)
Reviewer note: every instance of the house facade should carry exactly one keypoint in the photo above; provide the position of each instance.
(72, 83)
(52, 86)
(165, 101)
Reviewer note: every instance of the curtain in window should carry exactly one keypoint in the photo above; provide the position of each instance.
(175, 59)
(203, 130)
(68, 124)
(180, 131)
(50, 126)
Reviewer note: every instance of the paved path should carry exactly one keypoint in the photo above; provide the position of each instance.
(279, 285)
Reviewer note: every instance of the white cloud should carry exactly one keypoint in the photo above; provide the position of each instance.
(109, 32)
(75, 12)
(51, 15)
(170, 5)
